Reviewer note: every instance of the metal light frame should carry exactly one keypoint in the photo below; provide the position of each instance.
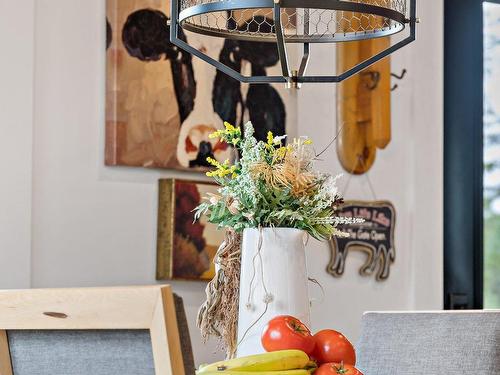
(291, 77)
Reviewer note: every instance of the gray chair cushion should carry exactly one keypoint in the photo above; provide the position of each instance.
(430, 343)
(121, 352)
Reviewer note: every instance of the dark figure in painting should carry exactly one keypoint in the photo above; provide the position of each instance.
(265, 107)
(146, 36)
(109, 34)
(226, 93)
(204, 151)
(266, 110)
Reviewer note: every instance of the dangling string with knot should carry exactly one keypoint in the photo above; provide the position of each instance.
(218, 316)
(268, 297)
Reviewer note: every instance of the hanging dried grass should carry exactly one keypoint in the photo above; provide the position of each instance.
(218, 316)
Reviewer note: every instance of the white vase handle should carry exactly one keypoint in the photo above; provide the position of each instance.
(305, 238)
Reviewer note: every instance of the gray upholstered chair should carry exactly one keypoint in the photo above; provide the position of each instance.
(122, 330)
(464, 342)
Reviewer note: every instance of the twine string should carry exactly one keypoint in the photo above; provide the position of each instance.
(367, 175)
(360, 161)
(267, 296)
(314, 281)
(331, 142)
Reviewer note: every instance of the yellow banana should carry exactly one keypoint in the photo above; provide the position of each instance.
(281, 360)
(285, 372)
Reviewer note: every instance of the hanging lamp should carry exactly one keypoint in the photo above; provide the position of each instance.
(293, 21)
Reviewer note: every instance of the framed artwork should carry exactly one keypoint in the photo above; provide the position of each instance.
(161, 104)
(185, 249)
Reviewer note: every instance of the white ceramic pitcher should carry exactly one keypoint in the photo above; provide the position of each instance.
(276, 274)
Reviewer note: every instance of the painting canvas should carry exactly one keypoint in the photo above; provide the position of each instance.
(185, 249)
(161, 103)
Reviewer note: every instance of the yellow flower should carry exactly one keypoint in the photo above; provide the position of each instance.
(213, 162)
(214, 134)
(270, 138)
(229, 127)
(281, 152)
(229, 134)
(308, 142)
(223, 169)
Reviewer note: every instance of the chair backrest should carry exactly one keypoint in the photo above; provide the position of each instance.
(131, 330)
(464, 342)
(186, 347)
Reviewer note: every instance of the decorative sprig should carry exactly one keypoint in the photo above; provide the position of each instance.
(230, 134)
(222, 169)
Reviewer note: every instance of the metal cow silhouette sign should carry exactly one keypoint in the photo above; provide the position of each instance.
(375, 237)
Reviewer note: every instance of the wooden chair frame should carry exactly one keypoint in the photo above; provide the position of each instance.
(147, 307)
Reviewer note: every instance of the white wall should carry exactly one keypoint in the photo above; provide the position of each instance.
(408, 173)
(66, 220)
(16, 119)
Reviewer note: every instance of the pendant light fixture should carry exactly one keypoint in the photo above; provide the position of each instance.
(285, 22)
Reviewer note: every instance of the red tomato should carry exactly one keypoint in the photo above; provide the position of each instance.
(333, 347)
(337, 368)
(286, 332)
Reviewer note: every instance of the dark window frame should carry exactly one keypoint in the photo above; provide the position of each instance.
(463, 154)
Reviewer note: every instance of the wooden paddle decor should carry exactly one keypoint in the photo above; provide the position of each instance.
(363, 103)
(375, 237)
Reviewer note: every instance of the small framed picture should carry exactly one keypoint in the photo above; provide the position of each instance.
(185, 249)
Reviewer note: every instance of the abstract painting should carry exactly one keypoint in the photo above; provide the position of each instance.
(161, 103)
(185, 249)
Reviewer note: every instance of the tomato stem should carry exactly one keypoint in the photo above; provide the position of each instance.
(341, 369)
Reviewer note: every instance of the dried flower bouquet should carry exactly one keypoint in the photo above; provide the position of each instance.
(272, 184)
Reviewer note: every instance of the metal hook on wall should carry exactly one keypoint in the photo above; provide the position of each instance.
(398, 77)
(374, 79)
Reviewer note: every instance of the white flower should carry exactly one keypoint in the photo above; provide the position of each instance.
(330, 188)
(348, 220)
(234, 207)
(248, 215)
(214, 198)
(277, 140)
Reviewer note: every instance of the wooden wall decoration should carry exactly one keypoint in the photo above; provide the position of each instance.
(375, 237)
(363, 103)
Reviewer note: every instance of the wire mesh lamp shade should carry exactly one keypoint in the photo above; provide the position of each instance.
(293, 21)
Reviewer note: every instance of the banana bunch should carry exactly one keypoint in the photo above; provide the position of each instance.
(283, 362)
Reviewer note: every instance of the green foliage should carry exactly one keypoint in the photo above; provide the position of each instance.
(272, 185)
